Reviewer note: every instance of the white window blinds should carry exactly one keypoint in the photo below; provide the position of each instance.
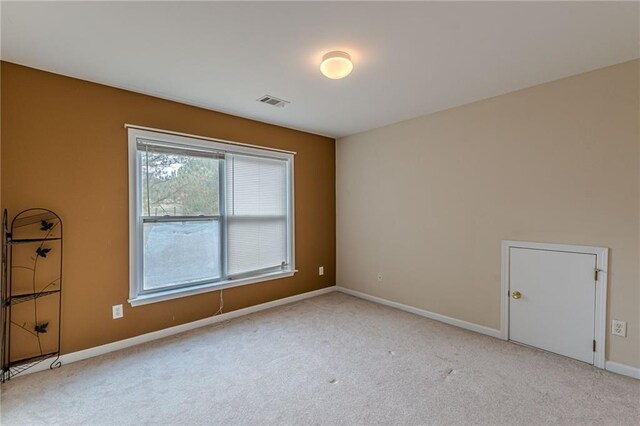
(256, 206)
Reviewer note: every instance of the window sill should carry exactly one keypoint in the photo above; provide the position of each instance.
(161, 296)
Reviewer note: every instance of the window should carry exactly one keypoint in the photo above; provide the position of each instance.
(206, 215)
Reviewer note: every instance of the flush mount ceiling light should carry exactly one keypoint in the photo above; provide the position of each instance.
(336, 65)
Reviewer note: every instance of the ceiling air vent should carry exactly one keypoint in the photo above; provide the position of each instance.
(273, 101)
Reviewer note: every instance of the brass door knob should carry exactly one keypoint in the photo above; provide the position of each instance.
(516, 295)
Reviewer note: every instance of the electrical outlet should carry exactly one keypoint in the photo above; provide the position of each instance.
(619, 328)
(117, 311)
(321, 270)
(379, 277)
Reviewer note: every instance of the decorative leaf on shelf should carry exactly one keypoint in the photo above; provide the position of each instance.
(41, 328)
(42, 251)
(45, 226)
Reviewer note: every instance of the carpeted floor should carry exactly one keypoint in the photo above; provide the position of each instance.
(333, 359)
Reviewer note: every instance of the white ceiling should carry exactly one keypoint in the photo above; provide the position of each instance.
(410, 58)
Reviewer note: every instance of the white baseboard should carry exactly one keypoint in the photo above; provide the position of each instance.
(155, 335)
(614, 367)
(423, 313)
(625, 370)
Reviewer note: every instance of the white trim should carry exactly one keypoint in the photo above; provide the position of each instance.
(504, 289)
(155, 335)
(602, 262)
(611, 366)
(424, 313)
(623, 369)
(291, 226)
(205, 138)
(134, 208)
(175, 139)
(145, 299)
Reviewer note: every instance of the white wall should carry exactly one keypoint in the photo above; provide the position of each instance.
(427, 201)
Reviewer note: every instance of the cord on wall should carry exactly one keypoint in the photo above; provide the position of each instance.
(221, 304)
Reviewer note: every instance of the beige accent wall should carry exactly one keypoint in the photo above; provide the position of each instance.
(64, 147)
(427, 201)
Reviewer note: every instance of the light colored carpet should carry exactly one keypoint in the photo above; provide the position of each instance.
(333, 359)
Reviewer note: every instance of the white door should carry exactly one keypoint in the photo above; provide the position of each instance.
(552, 301)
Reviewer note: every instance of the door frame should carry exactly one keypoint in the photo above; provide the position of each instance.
(602, 262)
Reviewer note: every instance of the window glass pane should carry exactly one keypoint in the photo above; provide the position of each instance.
(178, 184)
(256, 244)
(178, 253)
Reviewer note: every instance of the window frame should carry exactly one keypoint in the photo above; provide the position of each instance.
(173, 140)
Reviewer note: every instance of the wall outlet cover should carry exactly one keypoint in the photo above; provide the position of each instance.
(619, 328)
(117, 311)
(321, 270)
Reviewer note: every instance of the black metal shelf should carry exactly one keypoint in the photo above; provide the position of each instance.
(25, 229)
(41, 357)
(32, 240)
(20, 365)
(19, 298)
(29, 219)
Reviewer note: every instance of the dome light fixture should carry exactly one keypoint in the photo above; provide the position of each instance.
(336, 65)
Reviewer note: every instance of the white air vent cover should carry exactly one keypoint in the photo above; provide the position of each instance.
(273, 101)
